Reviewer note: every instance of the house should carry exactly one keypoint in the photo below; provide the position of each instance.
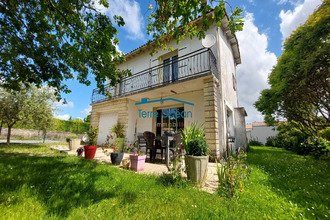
(170, 90)
(260, 131)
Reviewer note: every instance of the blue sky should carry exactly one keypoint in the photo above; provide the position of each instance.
(267, 23)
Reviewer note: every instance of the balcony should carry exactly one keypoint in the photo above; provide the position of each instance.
(193, 65)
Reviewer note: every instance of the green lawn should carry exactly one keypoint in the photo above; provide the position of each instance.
(38, 183)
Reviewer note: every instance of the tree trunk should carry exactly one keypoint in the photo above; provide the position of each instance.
(8, 135)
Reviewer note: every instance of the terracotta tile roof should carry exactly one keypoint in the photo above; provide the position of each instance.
(248, 126)
(259, 124)
(255, 124)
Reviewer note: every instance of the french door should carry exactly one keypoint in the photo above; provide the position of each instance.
(167, 121)
(171, 69)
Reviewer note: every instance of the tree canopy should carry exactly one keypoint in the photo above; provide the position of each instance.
(173, 19)
(47, 41)
(300, 82)
(30, 105)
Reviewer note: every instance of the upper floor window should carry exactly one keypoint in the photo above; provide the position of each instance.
(170, 67)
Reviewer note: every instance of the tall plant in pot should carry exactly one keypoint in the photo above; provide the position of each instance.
(118, 130)
(117, 153)
(91, 147)
(196, 158)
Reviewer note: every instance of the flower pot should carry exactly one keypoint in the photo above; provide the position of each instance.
(120, 142)
(196, 167)
(90, 152)
(74, 144)
(116, 158)
(137, 162)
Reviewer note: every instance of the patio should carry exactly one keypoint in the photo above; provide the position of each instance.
(157, 168)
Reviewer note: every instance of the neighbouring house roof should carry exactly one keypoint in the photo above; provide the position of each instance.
(224, 26)
(260, 124)
(256, 124)
(248, 126)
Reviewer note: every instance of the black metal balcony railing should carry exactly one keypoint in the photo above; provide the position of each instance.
(196, 64)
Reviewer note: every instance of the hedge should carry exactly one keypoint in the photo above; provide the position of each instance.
(77, 127)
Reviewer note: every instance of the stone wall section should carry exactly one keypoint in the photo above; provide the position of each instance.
(30, 133)
(211, 115)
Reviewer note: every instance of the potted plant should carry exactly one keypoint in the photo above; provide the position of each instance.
(138, 158)
(196, 158)
(118, 130)
(91, 147)
(117, 155)
(74, 142)
(80, 150)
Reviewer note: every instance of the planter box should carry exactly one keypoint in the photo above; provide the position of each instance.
(137, 162)
(196, 167)
(90, 151)
(74, 144)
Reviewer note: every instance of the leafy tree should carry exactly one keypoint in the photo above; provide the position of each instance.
(28, 106)
(173, 20)
(48, 40)
(88, 118)
(299, 82)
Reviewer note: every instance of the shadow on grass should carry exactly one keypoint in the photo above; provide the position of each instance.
(303, 180)
(60, 183)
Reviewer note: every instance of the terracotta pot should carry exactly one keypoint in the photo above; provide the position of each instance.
(137, 162)
(196, 167)
(90, 151)
(116, 158)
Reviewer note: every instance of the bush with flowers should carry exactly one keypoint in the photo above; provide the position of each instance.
(108, 145)
(134, 148)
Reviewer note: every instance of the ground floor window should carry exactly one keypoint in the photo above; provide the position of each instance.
(168, 121)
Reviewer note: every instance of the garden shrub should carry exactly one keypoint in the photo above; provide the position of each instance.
(292, 137)
(255, 143)
(270, 142)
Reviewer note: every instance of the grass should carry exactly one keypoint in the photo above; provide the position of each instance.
(38, 183)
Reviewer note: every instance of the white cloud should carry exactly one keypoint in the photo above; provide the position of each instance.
(130, 11)
(290, 20)
(60, 104)
(292, 2)
(87, 110)
(62, 117)
(257, 63)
